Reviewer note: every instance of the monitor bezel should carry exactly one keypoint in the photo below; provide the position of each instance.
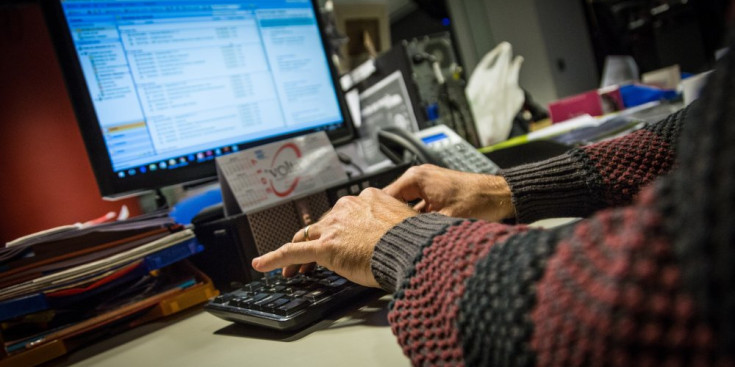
(110, 186)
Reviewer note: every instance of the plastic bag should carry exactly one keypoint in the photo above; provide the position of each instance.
(494, 95)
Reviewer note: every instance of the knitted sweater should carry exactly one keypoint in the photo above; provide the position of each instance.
(632, 284)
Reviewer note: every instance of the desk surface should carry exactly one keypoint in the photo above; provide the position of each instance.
(360, 336)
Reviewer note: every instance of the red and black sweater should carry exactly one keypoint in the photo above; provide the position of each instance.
(620, 287)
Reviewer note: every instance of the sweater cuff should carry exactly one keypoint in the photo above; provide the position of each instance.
(554, 188)
(396, 251)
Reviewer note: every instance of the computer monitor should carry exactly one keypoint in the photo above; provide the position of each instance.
(162, 87)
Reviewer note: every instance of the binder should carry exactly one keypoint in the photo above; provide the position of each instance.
(52, 305)
(37, 301)
(60, 342)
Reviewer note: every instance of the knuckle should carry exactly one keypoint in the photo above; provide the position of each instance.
(370, 191)
(424, 169)
(327, 221)
(345, 200)
(413, 171)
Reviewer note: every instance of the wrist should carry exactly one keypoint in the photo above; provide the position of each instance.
(395, 252)
(499, 197)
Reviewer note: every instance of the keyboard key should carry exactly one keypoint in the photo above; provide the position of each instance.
(338, 283)
(240, 302)
(276, 289)
(252, 286)
(317, 295)
(295, 280)
(285, 303)
(256, 298)
(270, 298)
(272, 306)
(332, 278)
(270, 281)
(313, 286)
(293, 306)
(241, 293)
(299, 293)
(220, 300)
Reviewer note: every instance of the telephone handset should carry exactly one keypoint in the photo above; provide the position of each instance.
(437, 145)
(400, 146)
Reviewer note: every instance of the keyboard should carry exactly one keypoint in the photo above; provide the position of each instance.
(287, 303)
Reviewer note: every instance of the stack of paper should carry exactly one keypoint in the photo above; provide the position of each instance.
(74, 282)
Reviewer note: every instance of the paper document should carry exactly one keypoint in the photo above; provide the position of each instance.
(58, 279)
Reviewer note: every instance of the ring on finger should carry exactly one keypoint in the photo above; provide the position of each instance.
(306, 232)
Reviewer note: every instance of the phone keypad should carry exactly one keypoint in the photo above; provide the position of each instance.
(462, 157)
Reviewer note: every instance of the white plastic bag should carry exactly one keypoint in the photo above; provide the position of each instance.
(494, 95)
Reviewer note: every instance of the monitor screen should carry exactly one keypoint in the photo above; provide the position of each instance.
(163, 87)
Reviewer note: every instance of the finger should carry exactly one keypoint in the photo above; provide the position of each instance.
(420, 206)
(405, 188)
(307, 268)
(288, 254)
(300, 235)
(290, 270)
(380, 197)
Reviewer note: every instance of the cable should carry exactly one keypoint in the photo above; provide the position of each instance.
(345, 159)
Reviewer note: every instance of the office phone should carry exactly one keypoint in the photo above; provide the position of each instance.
(438, 145)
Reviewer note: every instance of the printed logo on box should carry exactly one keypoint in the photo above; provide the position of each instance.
(282, 180)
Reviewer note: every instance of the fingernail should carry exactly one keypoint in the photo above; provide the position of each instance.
(255, 262)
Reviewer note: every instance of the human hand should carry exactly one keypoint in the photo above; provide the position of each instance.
(454, 193)
(344, 239)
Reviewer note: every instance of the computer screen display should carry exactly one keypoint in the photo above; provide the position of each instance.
(161, 88)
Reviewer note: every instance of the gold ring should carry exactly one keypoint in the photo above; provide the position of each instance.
(306, 232)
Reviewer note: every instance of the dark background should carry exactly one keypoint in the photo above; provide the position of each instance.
(47, 180)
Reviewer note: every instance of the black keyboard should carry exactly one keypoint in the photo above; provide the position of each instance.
(286, 303)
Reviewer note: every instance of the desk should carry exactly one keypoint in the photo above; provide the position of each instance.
(359, 337)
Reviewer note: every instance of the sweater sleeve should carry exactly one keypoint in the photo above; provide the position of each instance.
(586, 179)
(603, 289)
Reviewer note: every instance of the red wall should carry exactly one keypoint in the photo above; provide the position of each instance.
(45, 177)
